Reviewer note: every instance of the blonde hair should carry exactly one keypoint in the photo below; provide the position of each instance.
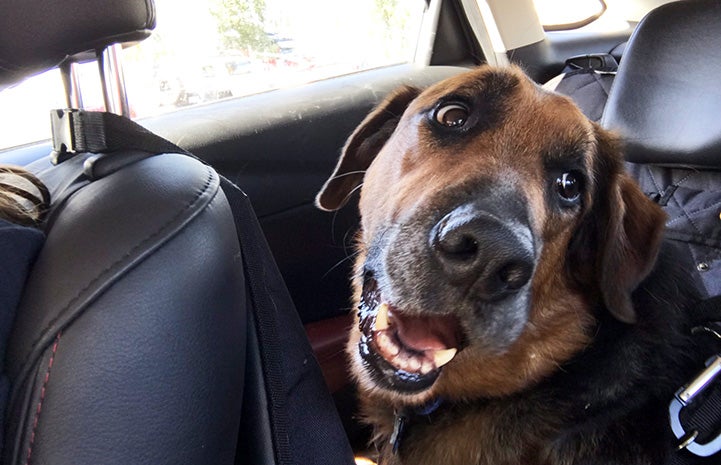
(24, 199)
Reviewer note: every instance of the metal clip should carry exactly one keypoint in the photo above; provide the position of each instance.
(62, 123)
(399, 426)
(683, 398)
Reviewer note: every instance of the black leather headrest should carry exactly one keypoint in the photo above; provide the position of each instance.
(36, 35)
(666, 98)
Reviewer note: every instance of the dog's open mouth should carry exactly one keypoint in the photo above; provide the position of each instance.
(404, 352)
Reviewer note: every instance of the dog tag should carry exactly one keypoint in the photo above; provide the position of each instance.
(399, 424)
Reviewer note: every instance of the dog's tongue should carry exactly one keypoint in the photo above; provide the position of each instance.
(426, 333)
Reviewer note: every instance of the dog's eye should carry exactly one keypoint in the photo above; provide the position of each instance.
(568, 186)
(451, 115)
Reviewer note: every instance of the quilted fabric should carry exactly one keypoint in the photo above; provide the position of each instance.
(692, 200)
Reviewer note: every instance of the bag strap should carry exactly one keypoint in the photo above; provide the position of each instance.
(265, 319)
(79, 131)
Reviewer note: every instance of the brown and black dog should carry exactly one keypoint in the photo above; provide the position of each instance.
(500, 244)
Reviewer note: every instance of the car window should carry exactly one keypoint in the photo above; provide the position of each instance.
(202, 51)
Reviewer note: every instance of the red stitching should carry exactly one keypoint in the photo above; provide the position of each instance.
(42, 397)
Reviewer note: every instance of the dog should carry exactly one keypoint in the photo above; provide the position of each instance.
(516, 301)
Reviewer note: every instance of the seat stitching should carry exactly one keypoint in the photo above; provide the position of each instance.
(653, 178)
(43, 390)
(684, 213)
(694, 212)
(597, 79)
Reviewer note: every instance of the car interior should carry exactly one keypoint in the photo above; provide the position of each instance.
(141, 336)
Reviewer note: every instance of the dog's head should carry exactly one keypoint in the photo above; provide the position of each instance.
(495, 221)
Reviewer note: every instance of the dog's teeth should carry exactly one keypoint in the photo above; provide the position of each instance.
(441, 357)
(387, 345)
(409, 364)
(415, 365)
(400, 361)
(427, 367)
(381, 323)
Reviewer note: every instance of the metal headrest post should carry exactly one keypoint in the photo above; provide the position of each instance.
(113, 80)
(111, 76)
(71, 84)
(69, 125)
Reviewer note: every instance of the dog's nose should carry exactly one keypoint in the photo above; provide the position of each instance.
(495, 257)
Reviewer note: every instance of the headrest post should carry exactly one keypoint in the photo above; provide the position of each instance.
(113, 80)
(73, 96)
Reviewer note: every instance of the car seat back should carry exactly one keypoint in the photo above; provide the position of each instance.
(129, 340)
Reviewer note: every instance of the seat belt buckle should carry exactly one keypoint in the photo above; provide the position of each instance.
(685, 397)
(62, 124)
(601, 63)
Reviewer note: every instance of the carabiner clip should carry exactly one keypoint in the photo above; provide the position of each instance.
(683, 398)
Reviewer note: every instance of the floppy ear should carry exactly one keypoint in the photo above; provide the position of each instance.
(633, 238)
(362, 147)
(627, 228)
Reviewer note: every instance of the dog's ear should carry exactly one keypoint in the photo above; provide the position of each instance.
(625, 227)
(633, 238)
(362, 147)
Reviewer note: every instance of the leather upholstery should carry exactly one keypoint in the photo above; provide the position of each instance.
(36, 35)
(666, 98)
(130, 341)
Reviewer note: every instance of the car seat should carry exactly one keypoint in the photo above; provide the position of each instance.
(665, 104)
(129, 341)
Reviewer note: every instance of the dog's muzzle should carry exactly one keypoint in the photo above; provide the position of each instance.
(476, 249)
(469, 285)
(404, 352)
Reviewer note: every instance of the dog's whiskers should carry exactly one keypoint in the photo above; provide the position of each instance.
(353, 191)
(340, 262)
(346, 243)
(349, 173)
(345, 199)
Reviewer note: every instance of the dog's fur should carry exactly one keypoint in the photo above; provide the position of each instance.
(577, 364)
